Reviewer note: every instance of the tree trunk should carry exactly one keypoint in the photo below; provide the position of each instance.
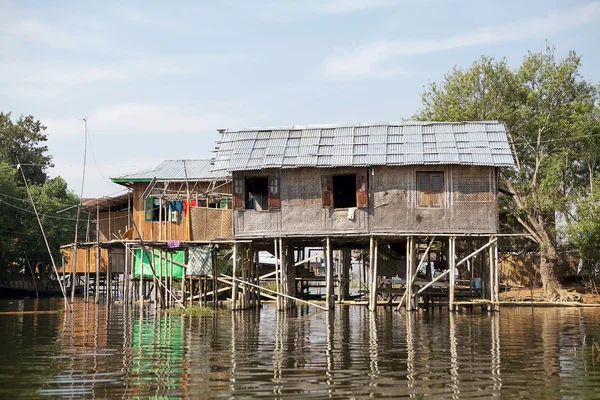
(553, 290)
(548, 264)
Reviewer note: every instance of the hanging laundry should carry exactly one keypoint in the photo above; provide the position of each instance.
(185, 208)
(176, 206)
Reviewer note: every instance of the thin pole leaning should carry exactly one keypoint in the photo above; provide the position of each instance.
(62, 288)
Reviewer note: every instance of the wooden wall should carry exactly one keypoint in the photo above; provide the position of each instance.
(112, 225)
(82, 260)
(469, 203)
(205, 224)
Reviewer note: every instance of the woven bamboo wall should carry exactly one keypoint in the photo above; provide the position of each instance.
(211, 223)
(469, 204)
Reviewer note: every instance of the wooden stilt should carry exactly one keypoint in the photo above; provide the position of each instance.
(126, 281)
(411, 299)
(374, 277)
(277, 260)
(329, 298)
(370, 275)
(452, 269)
(98, 253)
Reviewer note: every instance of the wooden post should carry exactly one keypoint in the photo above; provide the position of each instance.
(329, 276)
(277, 274)
(257, 272)
(73, 271)
(98, 253)
(109, 279)
(370, 274)
(452, 269)
(374, 279)
(497, 279)
(282, 275)
(410, 298)
(234, 287)
(214, 280)
(141, 279)
(126, 280)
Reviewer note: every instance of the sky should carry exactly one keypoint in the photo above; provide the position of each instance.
(156, 79)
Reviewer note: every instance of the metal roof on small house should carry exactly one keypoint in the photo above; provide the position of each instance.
(406, 143)
(174, 170)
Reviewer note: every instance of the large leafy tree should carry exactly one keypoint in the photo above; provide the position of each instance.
(24, 139)
(20, 236)
(548, 110)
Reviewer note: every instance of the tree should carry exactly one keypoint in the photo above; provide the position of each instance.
(24, 139)
(20, 234)
(584, 232)
(546, 106)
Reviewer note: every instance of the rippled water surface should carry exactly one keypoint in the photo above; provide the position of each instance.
(100, 352)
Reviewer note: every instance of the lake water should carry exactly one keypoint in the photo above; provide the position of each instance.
(101, 352)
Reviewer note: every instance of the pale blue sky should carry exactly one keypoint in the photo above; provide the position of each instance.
(157, 79)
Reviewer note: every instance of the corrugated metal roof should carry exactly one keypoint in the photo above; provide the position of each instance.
(173, 170)
(409, 143)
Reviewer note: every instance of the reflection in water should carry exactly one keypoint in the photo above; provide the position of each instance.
(113, 352)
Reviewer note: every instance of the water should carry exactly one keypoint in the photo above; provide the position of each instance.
(100, 352)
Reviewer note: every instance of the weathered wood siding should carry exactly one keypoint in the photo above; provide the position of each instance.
(112, 225)
(469, 204)
(83, 260)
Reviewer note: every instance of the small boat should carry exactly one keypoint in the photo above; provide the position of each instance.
(8, 292)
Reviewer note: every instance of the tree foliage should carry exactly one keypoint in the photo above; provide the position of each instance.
(20, 235)
(549, 111)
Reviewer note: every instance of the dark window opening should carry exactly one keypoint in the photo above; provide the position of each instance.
(430, 187)
(344, 191)
(257, 194)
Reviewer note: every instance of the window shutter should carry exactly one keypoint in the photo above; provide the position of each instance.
(274, 199)
(437, 188)
(361, 189)
(148, 208)
(327, 190)
(238, 193)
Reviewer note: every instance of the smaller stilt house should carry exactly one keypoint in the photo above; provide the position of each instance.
(417, 201)
(174, 212)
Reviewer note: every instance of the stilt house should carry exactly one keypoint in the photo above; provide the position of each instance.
(175, 206)
(408, 190)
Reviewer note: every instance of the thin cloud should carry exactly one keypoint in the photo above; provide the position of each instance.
(350, 6)
(369, 61)
(136, 118)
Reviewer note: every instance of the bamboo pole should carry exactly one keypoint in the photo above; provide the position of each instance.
(374, 277)
(61, 284)
(280, 294)
(282, 276)
(329, 275)
(234, 289)
(452, 269)
(276, 251)
(97, 278)
(370, 274)
(86, 279)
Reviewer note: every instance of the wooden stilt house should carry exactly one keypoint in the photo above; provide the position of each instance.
(419, 199)
(168, 209)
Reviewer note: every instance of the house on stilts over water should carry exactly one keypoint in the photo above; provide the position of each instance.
(164, 229)
(415, 203)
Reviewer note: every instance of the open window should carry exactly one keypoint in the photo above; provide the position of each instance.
(430, 187)
(344, 191)
(256, 193)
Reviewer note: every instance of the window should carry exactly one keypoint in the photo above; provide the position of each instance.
(430, 187)
(256, 193)
(344, 191)
(152, 210)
